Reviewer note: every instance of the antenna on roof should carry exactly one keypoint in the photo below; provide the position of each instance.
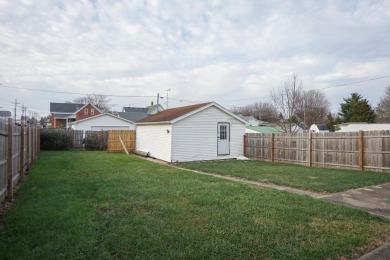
(158, 98)
(167, 90)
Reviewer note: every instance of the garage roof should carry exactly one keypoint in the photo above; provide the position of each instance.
(175, 114)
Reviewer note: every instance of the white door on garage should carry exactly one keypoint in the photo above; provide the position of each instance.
(223, 138)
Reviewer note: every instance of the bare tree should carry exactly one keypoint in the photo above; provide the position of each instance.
(287, 100)
(100, 101)
(314, 108)
(263, 111)
(383, 109)
(241, 110)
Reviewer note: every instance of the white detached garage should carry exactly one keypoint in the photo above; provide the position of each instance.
(199, 132)
(103, 122)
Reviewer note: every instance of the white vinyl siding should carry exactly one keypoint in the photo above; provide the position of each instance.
(104, 122)
(195, 137)
(156, 140)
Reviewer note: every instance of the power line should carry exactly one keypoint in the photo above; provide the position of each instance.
(356, 82)
(185, 100)
(335, 86)
(72, 93)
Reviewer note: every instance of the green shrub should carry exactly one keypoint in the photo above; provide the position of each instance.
(95, 141)
(55, 139)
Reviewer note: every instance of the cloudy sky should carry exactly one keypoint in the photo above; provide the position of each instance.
(231, 52)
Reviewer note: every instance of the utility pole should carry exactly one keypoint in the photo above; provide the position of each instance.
(304, 117)
(22, 118)
(158, 101)
(167, 95)
(15, 103)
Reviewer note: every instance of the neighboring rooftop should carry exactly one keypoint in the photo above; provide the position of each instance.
(4, 113)
(138, 113)
(355, 127)
(132, 116)
(136, 109)
(150, 110)
(322, 127)
(65, 107)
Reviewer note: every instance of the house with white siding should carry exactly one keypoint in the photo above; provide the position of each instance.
(103, 122)
(199, 132)
(319, 128)
(356, 127)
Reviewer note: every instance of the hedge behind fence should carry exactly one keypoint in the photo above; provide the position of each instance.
(65, 139)
(95, 141)
(55, 139)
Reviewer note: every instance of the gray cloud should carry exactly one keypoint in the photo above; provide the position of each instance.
(201, 50)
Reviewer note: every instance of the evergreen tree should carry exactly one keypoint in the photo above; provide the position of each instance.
(330, 122)
(356, 109)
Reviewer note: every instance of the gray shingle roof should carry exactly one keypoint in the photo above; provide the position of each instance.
(132, 116)
(138, 113)
(136, 109)
(322, 127)
(147, 110)
(5, 113)
(65, 107)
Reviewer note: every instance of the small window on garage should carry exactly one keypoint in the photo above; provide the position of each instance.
(92, 111)
(86, 111)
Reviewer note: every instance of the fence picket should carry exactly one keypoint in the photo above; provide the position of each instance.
(15, 158)
(114, 143)
(351, 150)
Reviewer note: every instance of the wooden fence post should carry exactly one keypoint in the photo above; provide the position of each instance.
(28, 148)
(10, 183)
(309, 149)
(272, 147)
(35, 143)
(244, 139)
(21, 152)
(361, 153)
(39, 141)
(34, 139)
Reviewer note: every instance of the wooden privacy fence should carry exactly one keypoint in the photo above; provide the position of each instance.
(19, 148)
(368, 150)
(121, 140)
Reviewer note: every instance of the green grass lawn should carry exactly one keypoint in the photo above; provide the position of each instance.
(297, 176)
(98, 205)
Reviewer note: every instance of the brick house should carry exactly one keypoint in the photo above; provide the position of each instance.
(64, 113)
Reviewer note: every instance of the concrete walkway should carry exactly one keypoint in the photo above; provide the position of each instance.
(381, 253)
(256, 183)
(374, 199)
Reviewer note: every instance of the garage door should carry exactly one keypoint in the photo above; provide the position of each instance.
(104, 128)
